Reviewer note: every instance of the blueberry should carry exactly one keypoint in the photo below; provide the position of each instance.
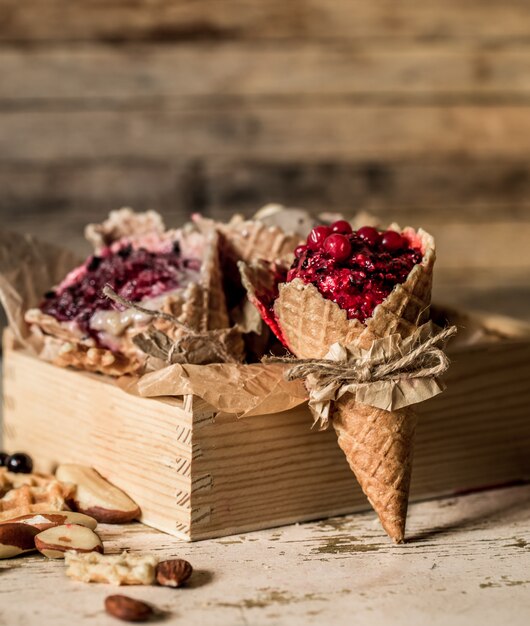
(3, 458)
(19, 463)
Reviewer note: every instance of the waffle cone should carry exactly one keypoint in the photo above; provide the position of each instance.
(215, 313)
(201, 306)
(378, 444)
(252, 240)
(379, 447)
(100, 360)
(323, 322)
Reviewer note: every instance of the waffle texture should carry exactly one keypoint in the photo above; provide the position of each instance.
(252, 240)
(31, 493)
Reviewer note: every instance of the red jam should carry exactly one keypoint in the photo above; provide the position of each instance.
(357, 270)
(134, 273)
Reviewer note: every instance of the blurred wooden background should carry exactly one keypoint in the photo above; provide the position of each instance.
(418, 111)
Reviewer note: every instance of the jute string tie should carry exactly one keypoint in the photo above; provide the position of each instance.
(391, 374)
(425, 360)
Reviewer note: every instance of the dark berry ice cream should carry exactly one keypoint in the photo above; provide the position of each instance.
(355, 269)
(138, 271)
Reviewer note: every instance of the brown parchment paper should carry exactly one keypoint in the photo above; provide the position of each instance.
(245, 390)
(28, 268)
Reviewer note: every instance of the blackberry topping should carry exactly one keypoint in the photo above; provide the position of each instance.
(133, 273)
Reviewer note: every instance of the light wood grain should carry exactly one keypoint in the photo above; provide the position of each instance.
(87, 421)
(336, 131)
(148, 20)
(198, 475)
(467, 565)
(98, 75)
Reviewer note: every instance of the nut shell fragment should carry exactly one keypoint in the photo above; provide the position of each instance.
(55, 541)
(96, 497)
(128, 609)
(173, 572)
(16, 539)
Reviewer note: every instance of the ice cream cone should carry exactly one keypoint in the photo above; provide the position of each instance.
(310, 324)
(200, 304)
(379, 447)
(378, 444)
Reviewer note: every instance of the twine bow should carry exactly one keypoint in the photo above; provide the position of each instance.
(391, 374)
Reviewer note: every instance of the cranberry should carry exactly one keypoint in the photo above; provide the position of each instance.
(357, 271)
(317, 237)
(369, 235)
(299, 250)
(392, 241)
(342, 227)
(19, 463)
(338, 247)
(3, 458)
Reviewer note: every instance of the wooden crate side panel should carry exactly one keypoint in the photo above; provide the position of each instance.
(143, 446)
(265, 471)
(477, 433)
(233, 475)
(272, 470)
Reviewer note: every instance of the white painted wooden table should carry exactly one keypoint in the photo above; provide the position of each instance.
(467, 563)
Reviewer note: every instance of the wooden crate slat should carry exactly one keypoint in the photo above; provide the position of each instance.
(96, 76)
(213, 20)
(336, 131)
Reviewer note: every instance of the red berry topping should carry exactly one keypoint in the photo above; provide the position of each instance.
(341, 226)
(317, 237)
(370, 235)
(299, 250)
(338, 246)
(357, 270)
(392, 241)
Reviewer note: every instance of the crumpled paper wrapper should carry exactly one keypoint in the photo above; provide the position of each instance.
(389, 394)
(29, 268)
(243, 390)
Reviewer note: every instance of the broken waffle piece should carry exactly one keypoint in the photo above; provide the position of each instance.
(23, 494)
(114, 569)
(123, 223)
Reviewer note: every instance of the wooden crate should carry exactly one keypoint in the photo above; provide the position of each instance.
(197, 474)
